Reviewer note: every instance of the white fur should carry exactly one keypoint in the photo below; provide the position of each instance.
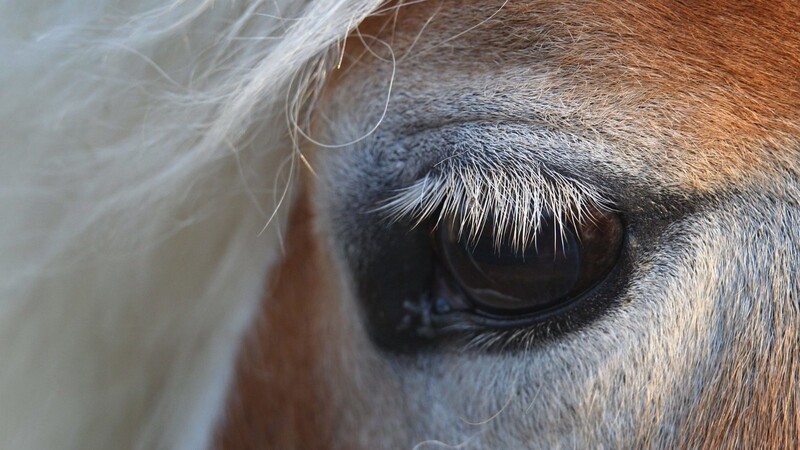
(144, 147)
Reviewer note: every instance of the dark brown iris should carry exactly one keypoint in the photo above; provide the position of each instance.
(558, 266)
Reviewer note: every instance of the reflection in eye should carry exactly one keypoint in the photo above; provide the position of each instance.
(557, 267)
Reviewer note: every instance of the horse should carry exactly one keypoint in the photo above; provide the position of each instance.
(418, 224)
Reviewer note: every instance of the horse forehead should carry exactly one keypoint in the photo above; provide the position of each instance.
(715, 81)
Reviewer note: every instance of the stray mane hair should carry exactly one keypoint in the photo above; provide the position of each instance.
(147, 148)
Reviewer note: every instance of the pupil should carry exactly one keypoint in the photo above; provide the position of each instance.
(502, 279)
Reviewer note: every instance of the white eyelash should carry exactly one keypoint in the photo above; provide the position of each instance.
(513, 195)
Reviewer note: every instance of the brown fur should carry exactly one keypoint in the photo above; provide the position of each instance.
(276, 401)
(718, 79)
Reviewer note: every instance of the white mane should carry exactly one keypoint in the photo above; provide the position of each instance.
(144, 148)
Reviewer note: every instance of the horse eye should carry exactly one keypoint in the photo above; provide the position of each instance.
(561, 264)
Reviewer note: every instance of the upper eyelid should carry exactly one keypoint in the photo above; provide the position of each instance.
(507, 144)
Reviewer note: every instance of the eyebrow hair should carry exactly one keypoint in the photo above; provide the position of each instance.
(512, 191)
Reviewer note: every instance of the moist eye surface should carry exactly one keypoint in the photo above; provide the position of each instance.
(559, 265)
(425, 286)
